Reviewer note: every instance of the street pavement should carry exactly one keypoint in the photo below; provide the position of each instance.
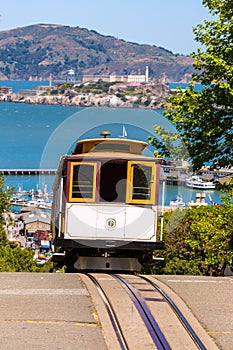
(56, 311)
(210, 300)
(47, 311)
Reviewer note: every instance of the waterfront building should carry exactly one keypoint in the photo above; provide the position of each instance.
(112, 78)
(37, 221)
(27, 92)
(5, 90)
(174, 174)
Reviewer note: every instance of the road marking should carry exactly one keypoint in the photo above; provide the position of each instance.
(44, 291)
(195, 281)
(219, 332)
(86, 324)
(80, 324)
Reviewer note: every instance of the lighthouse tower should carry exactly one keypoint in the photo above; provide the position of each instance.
(50, 79)
(70, 76)
(147, 74)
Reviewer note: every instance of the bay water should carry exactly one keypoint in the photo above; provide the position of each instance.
(35, 136)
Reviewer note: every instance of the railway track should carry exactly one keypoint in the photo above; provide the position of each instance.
(111, 313)
(178, 313)
(141, 314)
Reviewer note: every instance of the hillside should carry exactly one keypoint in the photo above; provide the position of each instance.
(38, 50)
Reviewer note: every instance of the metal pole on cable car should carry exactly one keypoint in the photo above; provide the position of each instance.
(163, 196)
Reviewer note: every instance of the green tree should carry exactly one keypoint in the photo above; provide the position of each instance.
(204, 119)
(169, 145)
(5, 194)
(15, 259)
(227, 192)
(201, 244)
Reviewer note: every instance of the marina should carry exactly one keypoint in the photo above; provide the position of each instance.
(176, 196)
(38, 204)
(39, 198)
(29, 182)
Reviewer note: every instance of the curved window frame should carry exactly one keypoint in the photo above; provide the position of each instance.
(130, 182)
(93, 197)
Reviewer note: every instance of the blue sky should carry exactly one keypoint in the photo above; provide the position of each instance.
(165, 23)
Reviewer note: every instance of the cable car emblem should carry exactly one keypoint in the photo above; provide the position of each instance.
(110, 224)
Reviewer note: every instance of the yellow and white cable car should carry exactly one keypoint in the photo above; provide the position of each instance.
(105, 207)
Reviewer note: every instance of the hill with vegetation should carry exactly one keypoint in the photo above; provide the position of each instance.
(36, 51)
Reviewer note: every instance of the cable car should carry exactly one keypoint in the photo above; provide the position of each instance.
(105, 206)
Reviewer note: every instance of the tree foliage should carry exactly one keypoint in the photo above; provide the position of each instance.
(169, 145)
(15, 259)
(227, 192)
(204, 119)
(5, 194)
(12, 257)
(201, 244)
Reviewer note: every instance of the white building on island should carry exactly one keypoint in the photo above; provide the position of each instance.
(70, 76)
(132, 78)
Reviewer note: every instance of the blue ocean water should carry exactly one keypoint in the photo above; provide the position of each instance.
(198, 87)
(25, 130)
(17, 85)
(35, 136)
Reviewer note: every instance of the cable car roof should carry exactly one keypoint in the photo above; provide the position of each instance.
(109, 145)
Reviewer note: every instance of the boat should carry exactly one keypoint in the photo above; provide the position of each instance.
(214, 203)
(196, 182)
(124, 132)
(40, 203)
(178, 202)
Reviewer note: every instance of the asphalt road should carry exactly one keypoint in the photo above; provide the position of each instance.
(55, 311)
(47, 311)
(210, 300)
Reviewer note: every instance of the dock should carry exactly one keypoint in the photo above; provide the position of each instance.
(28, 171)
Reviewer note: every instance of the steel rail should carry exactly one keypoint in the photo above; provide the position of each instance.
(152, 326)
(179, 314)
(111, 313)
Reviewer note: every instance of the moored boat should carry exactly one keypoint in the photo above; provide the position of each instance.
(178, 202)
(196, 182)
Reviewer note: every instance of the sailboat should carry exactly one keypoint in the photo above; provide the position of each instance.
(124, 132)
(214, 203)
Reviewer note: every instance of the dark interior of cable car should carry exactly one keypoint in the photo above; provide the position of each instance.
(113, 181)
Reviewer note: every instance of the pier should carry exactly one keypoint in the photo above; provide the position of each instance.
(28, 171)
(171, 175)
(173, 181)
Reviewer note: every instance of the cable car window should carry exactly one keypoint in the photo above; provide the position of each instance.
(141, 183)
(82, 182)
(105, 146)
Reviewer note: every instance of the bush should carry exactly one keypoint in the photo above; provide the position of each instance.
(198, 241)
(15, 259)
